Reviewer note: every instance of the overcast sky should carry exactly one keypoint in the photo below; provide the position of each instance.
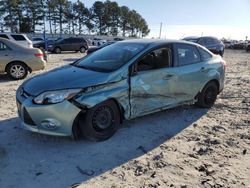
(221, 18)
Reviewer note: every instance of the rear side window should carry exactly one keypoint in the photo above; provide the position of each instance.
(18, 37)
(3, 46)
(187, 54)
(4, 36)
(204, 54)
(68, 41)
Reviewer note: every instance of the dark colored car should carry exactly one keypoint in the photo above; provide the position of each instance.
(69, 44)
(212, 43)
(95, 48)
(41, 45)
(248, 48)
(118, 39)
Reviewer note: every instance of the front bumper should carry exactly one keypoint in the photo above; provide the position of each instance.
(53, 119)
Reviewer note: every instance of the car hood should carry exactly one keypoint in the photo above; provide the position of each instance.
(66, 77)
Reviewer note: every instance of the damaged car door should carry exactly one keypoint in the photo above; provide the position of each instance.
(151, 81)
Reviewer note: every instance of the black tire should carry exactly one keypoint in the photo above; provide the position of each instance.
(83, 49)
(208, 95)
(57, 50)
(17, 70)
(101, 121)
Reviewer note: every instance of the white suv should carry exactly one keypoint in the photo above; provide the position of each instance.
(21, 39)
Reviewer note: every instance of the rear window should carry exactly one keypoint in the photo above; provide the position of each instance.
(187, 54)
(204, 54)
(18, 37)
(4, 36)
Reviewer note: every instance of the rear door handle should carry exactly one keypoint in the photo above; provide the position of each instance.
(6, 55)
(168, 76)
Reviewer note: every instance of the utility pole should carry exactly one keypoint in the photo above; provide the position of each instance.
(160, 30)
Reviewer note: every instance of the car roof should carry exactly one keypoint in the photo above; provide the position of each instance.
(156, 41)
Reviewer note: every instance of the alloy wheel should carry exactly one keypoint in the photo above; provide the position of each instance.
(17, 71)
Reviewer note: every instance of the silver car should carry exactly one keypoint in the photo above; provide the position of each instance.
(17, 61)
(124, 80)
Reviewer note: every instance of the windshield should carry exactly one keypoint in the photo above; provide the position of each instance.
(111, 57)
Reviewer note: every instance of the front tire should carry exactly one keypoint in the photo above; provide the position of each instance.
(101, 121)
(82, 49)
(17, 71)
(208, 95)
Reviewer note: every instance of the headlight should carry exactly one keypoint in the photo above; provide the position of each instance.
(53, 97)
(50, 46)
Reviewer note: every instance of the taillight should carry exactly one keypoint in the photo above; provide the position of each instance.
(38, 55)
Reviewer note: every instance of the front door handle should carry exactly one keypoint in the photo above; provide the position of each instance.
(6, 55)
(203, 69)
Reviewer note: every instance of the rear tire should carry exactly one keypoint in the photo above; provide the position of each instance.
(101, 121)
(208, 95)
(57, 50)
(17, 71)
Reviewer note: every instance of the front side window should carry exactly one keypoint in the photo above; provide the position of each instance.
(110, 58)
(18, 37)
(187, 54)
(3, 46)
(156, 59)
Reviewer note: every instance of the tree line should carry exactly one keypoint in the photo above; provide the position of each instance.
(66, 17)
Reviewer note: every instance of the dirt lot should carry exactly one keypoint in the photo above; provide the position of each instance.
(181, 147)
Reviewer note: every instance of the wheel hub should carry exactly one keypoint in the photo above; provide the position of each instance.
(103, 118)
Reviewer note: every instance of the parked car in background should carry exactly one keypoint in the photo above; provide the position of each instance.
(118, 39)
(69, 44)
(41, 45)
(212, 43)
(228, 44)
(21, 39)
(17, 61)
(248, 47)
(239, 45)
(124, 80)
(98, 42)
(95, 48)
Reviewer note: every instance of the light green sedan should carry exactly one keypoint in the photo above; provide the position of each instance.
(125, 80)
(17, 61)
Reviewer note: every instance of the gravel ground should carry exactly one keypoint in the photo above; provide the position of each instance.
(181, 147)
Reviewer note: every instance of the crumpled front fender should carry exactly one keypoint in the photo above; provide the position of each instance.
(118, 91)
